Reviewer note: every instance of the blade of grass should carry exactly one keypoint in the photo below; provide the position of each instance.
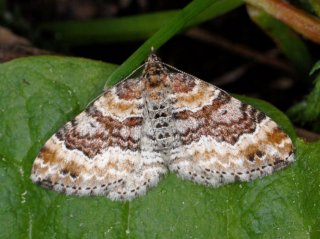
(124, 29)
(300, 21)
(287, 40)
(183, 19)
(129, 28)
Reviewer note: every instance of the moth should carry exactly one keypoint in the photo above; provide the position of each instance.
(162, 120)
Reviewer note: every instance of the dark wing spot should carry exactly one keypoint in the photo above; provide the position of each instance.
(64, 171)
(260, 117)
(251, 157)
(259, 153)
(47, 183)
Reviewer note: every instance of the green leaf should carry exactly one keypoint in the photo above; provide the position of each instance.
(39, 94)
(286, 39)
(308, 111)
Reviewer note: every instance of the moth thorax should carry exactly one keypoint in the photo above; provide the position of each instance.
(154, 81)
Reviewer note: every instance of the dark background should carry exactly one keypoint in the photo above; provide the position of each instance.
(225, 66)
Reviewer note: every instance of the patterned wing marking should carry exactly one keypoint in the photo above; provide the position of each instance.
(222, 139)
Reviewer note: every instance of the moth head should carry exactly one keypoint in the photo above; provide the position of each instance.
(153, 58)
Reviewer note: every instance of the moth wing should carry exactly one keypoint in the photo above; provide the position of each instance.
(100, 151)
(222, 139)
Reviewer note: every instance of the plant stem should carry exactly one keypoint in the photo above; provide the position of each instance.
(300, 21)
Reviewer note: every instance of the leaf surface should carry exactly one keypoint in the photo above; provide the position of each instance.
(308, 111)
(39, 94)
